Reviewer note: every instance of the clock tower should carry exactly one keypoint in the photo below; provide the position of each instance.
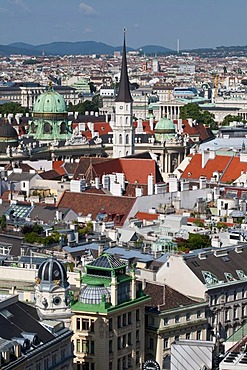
(123, 130)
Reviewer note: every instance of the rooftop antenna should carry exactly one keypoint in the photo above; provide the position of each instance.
(178, 46)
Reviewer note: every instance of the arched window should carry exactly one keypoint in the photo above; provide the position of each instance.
(120, 139)
(63, 129)
(126, 120)
(121, 120)
(127, 139)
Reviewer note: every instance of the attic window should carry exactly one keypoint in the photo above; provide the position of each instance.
(229, 276)
(241, 274)
(210, 278)
(189, 173)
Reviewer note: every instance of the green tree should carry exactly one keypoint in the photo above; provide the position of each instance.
(195, 241)
(229, 118)
(192, 110)
(13, 108)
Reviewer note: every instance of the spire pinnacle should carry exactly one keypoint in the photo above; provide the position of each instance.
(124, 91)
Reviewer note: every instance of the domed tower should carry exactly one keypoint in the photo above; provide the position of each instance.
(164, 130)
(50, 118)
(52, 291)
(170, 146)
(8, 137)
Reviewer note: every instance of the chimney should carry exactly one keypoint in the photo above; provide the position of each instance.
(205, 157)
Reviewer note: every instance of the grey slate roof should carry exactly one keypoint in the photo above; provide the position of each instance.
(225, 260)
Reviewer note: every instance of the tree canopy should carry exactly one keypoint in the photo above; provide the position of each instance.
(229, 118)
(87, 105)
(192, 110)
(13, 108)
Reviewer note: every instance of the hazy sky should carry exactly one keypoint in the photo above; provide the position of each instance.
(197, 23)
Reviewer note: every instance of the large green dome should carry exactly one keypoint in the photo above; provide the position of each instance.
(164, 129)
(50, 102)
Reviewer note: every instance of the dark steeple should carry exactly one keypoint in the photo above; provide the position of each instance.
(124, 90)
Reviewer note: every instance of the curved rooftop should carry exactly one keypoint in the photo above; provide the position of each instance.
(50, 102)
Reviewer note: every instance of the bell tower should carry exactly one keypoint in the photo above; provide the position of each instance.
(123, 130)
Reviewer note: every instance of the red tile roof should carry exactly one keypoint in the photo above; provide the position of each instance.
(116, 208)
(58, 166)
(229, 167)
(146, 216)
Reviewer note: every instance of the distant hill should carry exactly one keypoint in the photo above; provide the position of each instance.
(155, 49)
(73, 48)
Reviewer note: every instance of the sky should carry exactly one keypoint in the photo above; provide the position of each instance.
(196, 23)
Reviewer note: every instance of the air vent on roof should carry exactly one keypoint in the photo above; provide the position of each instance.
(239, 249)
(221, 253)
(202, 256)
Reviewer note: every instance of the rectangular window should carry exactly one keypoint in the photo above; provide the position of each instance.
(129, 339)
(176, 338)
(187, 336)
(85, 324)
(188, 316)
(92, 326)
(129, 360)
(110, 324)
(166, 320)
(124, 341)
(198, 335)
(129, 318)
(110, 346)
(119, 343)
(78, 324)
(92, 347)
(78, 345)
(124, 319)
(235, 313)
(85, 346)
(137, 336)
(177, 318)
(151, 322)
(137, 357)
(199, 314)
(110, 366)
(138, 315)
(166, 343)
(119, 322)
(151, 343)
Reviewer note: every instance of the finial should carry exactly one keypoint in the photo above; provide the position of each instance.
(124, 30)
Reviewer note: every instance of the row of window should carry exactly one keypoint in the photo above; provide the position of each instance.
(85, 346)
(51, 361)
(177, 319)
(125, 319)
(84, 324)
(235, 295)
(125, 362)
(167, 341)
(124, 340)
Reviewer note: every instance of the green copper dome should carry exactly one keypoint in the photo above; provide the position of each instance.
(164, 129)
(50, 102)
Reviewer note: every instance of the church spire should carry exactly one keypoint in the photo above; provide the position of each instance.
(124, 90)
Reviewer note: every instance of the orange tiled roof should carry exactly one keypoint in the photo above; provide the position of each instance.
(230, 167)
(146, 216)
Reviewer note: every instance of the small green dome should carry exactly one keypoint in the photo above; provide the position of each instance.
(50, 102)
(164, 129)
(165, 124)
